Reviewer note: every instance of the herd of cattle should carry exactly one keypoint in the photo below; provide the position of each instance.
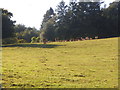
(77, 39)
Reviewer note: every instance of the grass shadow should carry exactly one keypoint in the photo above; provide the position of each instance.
(33, 45)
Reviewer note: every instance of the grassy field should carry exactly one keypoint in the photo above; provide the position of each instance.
(79, 64)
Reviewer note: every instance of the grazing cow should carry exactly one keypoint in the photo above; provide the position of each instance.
(44, 41)
(90, 38)
(96, 37)
(87, 38)
(82, 39)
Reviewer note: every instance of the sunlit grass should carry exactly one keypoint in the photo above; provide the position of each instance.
(79, 64)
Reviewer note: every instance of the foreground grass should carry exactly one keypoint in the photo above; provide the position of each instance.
(80, 64)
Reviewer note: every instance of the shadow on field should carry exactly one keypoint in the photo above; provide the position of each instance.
(33, 45)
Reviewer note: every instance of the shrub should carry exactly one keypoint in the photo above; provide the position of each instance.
(33, 39)
(21, 41)
(38, 39)
(9, 40)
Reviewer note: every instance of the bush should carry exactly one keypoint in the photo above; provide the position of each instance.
(33, 39)
(9, 40)
(21, 41)
(38, 39)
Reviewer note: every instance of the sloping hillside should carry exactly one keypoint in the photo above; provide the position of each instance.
(79, 64)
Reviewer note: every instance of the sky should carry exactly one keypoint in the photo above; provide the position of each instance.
(30, 12)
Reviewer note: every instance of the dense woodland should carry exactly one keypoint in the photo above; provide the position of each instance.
(76, 21)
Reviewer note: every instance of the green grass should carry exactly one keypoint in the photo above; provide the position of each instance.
(79, 64)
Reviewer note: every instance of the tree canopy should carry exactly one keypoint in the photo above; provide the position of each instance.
(80, 19)
(7, 24)
(74, 21)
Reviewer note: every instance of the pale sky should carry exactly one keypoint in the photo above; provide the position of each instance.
(30, 12)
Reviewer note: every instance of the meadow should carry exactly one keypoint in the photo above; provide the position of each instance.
(78, 64)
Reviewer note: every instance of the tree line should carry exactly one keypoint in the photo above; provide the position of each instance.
(77, 20)
(18, 33)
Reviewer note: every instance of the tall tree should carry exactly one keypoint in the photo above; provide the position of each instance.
(47, 25)
(19, 28)
(61, 13)
(109, 21)
(81, 19)
(7, 24)
(85, 15)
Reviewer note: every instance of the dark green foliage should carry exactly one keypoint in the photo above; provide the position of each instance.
(61, 22)
(21, 41)
(21, 33)
(80, 19)
(7, 24)
(19, 28)
(8, 32)
(9, 40)
(48, 26)
(84, 16)
(109, 21)
(25, 33)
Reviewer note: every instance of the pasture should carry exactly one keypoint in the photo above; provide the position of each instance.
(78, 64)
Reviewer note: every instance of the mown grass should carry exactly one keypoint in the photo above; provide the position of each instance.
(79, 64)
